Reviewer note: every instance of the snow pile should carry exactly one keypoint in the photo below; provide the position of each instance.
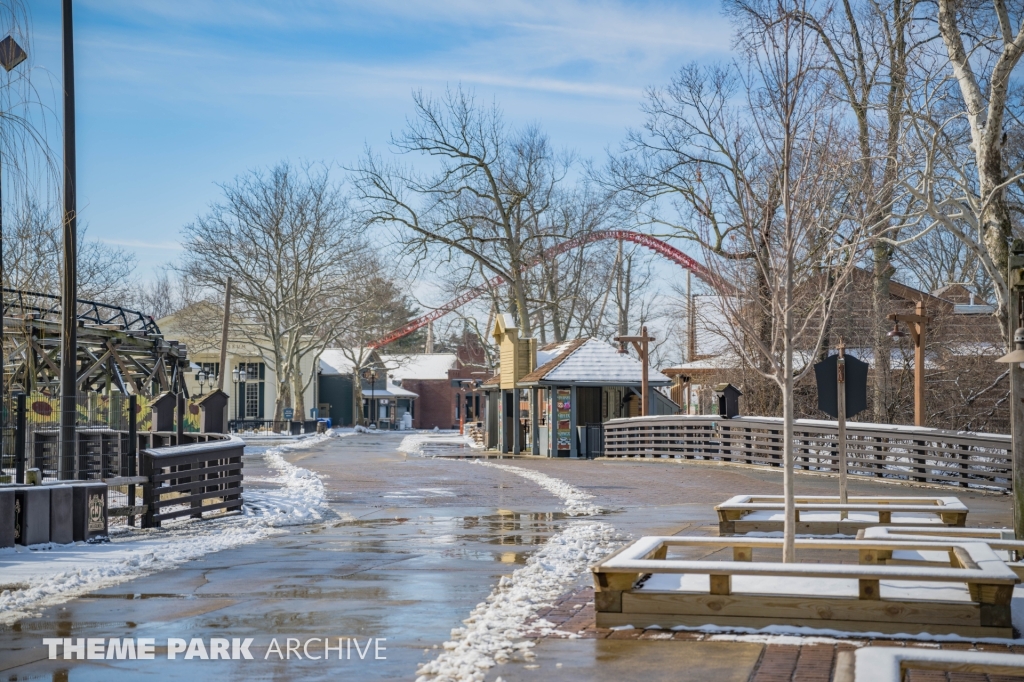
(417, 443)
(492, 626)
(577, 502)
(31, 579)
(508, 612)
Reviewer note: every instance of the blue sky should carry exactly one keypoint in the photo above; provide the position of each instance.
(174, 97)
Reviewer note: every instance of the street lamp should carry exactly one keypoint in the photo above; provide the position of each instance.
(917, 323)
(201, 376)
(372, 376)
(238, 377)
(11, 55)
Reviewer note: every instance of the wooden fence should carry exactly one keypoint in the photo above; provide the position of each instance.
(187, 480)
(877, 450)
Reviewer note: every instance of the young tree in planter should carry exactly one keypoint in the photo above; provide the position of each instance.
(803, 244)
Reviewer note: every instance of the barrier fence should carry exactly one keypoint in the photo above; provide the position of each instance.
(909, 453)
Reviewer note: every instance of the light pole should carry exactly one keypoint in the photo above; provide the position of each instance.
(238, 376)
(917, 322)
(372, 376)
(1015, 359)
(69, 285)
(11, 55)
(641, 344)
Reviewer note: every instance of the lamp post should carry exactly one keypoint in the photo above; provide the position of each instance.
(1015, 359)
(11, 55)
(238, 376)
(917, 323)
(201, 377)
(69, 283)
(372, 376)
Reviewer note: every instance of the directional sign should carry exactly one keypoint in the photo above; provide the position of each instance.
(856, 386)
(288, 414)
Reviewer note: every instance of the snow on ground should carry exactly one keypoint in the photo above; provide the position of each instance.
(509, 611)
(577, 502)
(417, 443)
(44, 575)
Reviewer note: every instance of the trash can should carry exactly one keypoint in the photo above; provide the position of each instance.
(90, 513)
(62, 514)
(32, 515)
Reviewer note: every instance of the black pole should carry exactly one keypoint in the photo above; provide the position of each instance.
(69, 285)
(133, 449)
(20, 436)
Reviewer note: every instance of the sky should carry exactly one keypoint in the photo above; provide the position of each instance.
(175, 97)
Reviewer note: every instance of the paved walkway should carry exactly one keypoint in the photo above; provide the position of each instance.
(412, 545)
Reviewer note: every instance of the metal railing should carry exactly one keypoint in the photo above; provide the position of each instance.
(910, 453)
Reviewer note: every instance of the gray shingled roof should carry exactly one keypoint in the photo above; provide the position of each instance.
(598, 363)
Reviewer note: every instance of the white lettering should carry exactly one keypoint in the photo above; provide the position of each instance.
(78, 648)
(219, 648)
(305, 649)
(241, 649)
(196, 648)
(95, 646)
(327, 648)
(52, 643)
(289, 648)
(174, 647)
(360, 651)
(121, 649)
(274, 647)
(144, 648)
(377, 648)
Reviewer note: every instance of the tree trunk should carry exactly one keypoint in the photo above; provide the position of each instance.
(881, 345)
(357, 399)
(298, 400)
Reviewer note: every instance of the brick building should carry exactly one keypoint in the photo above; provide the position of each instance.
(431, 375)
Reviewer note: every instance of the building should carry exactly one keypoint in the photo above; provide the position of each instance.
(249, 379)
(446, 383)
(384, 401)
(541, 401)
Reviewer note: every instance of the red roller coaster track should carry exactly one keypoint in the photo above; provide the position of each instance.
(668, 251)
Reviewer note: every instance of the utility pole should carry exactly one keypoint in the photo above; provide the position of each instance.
(641, 344)
(224, 336)
(69, 284)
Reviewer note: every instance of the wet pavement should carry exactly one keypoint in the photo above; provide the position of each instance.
(410, 547)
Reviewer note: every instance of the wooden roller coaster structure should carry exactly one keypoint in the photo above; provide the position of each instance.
(118, 348)
(658, 246)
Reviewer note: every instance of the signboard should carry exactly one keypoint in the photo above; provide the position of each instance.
(288, 414)
(563, 413)
(314, 413)
(828, 386)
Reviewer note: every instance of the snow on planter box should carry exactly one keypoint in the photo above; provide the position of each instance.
(643, 586)
(824, 515)
(1001, 540)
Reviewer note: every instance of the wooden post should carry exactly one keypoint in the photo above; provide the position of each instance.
(224, 337)
(841, 436)
(641, 344)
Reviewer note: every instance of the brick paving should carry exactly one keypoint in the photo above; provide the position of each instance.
(573, 614)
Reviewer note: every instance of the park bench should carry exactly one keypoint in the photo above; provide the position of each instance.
(824, 515)
(890, 664)
(1001, 540)
(640, 585)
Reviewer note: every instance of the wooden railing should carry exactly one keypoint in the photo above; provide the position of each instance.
(187, 480)
(878, 450)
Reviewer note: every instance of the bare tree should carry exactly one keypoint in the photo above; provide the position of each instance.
(487, 199)
(805, 248)
(286, 238)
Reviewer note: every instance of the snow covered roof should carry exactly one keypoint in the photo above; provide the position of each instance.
(590, 361)
(333, 361)
(392, 391)
(422, 366)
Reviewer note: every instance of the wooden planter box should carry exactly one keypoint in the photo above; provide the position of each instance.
(969, 596)
(889, 664)
(1001, 540)
(824, 515)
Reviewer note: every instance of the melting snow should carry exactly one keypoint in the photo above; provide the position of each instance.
(31, 579)
(417, 443)
(508, 612)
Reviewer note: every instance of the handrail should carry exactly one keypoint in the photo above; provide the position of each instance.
(94, 313)
(921, 454)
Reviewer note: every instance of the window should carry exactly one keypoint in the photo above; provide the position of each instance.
(252, 399)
